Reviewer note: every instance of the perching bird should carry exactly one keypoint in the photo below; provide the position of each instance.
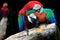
(22, 18)
(47, 15)
(3, 22)
(4, 10)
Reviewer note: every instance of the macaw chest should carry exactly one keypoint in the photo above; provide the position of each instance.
(41, 17)
(4, 11)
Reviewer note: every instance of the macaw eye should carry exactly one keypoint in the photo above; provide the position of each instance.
(36, 6)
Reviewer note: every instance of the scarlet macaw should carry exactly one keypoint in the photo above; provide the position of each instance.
(47, 15)
(3, 22)
(22, 18)
(4, 10)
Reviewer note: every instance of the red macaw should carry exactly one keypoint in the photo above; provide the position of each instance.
(22, 14)
(4, 10)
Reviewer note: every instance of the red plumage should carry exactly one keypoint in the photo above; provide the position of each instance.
(41, 17)
(27, 7)
(4, 11)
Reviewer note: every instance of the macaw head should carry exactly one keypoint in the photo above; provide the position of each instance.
(5, 5)
(38, 7)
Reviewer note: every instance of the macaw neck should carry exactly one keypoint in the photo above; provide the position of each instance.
(4, 7)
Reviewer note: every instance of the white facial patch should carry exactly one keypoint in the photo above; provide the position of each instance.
(36, 6)
(5, 4)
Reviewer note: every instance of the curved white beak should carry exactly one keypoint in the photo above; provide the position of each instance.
(41, 10)
(31, 16)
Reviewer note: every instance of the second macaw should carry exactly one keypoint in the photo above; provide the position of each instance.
(47, 15)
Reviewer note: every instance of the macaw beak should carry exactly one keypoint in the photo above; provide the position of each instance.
(41, 10)
(31, 18)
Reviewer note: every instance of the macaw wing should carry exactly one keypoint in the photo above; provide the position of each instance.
(50, 15)
(21, 22)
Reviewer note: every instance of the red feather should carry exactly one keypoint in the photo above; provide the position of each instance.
(41, 17)
(4, 11)
(27, 7)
